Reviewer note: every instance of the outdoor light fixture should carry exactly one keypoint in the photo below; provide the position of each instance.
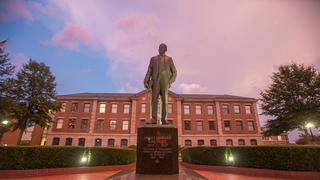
(5, 122)
(309, 125)
(84, 159)
(230, 158)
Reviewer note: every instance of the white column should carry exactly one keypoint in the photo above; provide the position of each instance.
(133, 134)
(90, 139)
(219, 122)
(179, 122)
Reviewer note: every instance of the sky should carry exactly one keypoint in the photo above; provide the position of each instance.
(218, 47)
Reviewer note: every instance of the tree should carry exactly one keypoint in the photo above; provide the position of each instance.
(34, 91)
(293, 99)
(6, 71)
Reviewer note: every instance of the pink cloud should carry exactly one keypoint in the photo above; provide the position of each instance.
(192, 88)
(18, 60)
(71, 37)
(15, 9)
(222, 46)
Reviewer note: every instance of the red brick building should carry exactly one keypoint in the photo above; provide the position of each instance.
(112, 119)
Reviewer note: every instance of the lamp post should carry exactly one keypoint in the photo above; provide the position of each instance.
(3, 128)
(309, 126)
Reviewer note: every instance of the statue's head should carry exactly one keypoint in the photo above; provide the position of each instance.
(162, 48)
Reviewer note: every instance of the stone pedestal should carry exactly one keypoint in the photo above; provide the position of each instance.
(157, 150)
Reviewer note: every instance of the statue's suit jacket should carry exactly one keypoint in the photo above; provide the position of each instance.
(169, 71)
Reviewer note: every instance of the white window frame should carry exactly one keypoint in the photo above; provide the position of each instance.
(125, 125)
(102, 108)
(114, 108)
(59, 125)
(126, 108)
(198, 109)
(143, 107)
(113, 126)
(186, 110)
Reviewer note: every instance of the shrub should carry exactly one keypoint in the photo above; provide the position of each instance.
(282, 157)
(133, 147)
(39, 157)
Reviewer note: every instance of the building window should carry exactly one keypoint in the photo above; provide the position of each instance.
(102, 108)
(187, 125)
(72, 124)
(113, 124)
(74, 107)
(187, 142)
(210, 109)
(169, 108)
(143, 107)
(124, 143)
(126, 108)
(97, 142)
(68, 142)
(250, 126)
(200, 142)
(248, 109)
(84, 124)
(227, 125)
(253, 142)
(100, 124)
(114, 108)
(279, 138)
(81, 142)
(236, 109)
(142, 122)
(241, 142)
(63, 107)
(213, 142)
(125, 125)
(59, 123)
(170, 122)
(225, 109)
(199, 125)
(110, 142)
(198, 109)
(86, 107)
(229, 142)
(55, 141)
(212, 125)
(186, 109)
(239, 125)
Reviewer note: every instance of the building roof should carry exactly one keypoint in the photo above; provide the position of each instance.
(101, 95)
(128, 95)
(212, 96)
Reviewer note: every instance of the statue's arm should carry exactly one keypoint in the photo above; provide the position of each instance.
(173, 71)
(148, 75)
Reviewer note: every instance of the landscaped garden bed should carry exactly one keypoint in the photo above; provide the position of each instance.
(40, 157)
(282, 157)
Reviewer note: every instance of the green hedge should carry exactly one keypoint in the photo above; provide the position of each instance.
(39, 157)
(282, 157)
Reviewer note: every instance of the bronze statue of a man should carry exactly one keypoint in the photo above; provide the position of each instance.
(160, 75)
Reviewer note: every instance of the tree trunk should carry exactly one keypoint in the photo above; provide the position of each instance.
(20, 136)
(1, 135)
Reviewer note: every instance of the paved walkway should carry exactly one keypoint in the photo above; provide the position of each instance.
(187, 172)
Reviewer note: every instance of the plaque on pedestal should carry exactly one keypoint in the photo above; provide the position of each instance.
(157, 150)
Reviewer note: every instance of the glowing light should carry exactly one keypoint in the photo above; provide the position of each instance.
(231, 158)
(5, 122)
(84, 159)
(309, 125)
